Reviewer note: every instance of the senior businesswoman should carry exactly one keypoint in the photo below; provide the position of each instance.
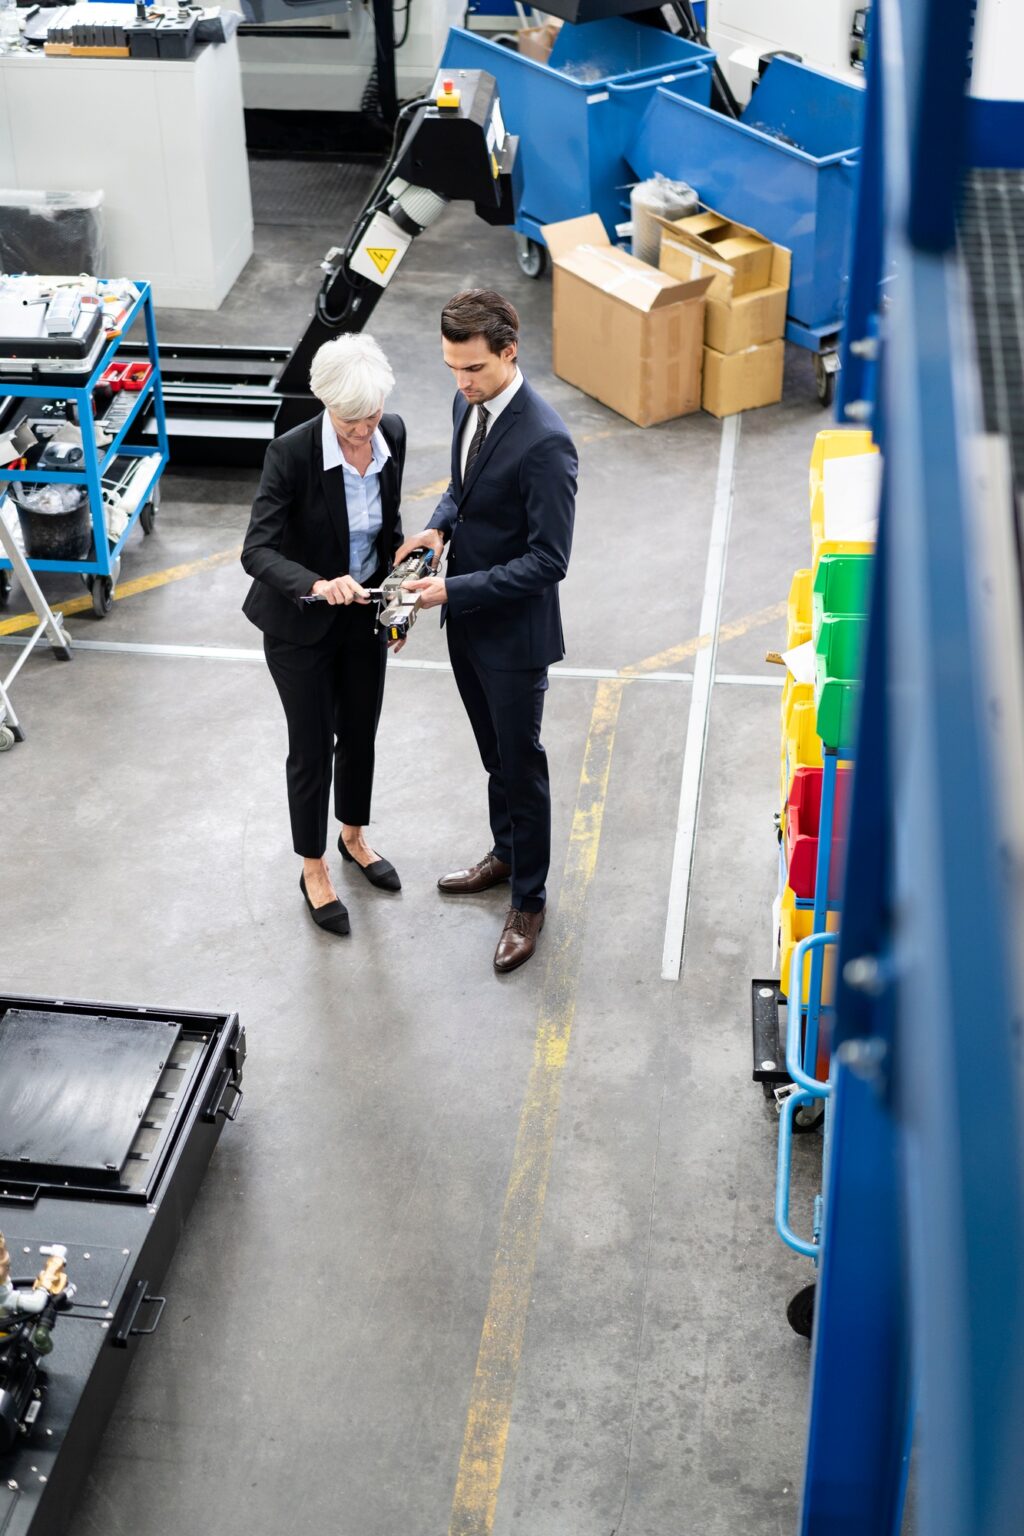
(326, 521)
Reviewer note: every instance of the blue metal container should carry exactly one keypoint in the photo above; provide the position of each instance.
(576, 114)
(788, 168)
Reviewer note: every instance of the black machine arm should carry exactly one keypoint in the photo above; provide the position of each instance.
(223, 403)
(449, 146)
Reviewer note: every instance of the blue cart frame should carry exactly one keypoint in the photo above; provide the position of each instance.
(100, 573)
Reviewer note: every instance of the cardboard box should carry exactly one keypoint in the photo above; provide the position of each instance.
(739, 381)
(738, 258)
(537, 42)
(623, 332)
(748, 321)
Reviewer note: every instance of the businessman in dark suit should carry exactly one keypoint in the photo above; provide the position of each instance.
(324, 524)
(507, 516)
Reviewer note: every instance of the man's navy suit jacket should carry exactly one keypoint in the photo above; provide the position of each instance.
(510, 528)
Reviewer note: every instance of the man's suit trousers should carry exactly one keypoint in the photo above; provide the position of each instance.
(332, 693)
(505, 710)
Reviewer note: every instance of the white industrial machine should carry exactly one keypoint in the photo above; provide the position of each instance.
(827, 34)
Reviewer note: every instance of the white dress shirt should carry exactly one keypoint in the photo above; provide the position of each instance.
(362, 497)
(494, 410)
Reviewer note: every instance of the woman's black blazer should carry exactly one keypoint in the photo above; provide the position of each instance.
(298, 531)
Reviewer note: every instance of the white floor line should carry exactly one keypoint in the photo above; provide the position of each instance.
(411, 663)
(700, 705)
(750, 679)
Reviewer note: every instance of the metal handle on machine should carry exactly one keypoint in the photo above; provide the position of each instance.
(225, 1085)
(138, 1298)
(851, 162)
(794, 1066)
(790, 1105)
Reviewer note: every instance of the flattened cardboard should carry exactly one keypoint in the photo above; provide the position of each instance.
(741, 381)
(623, 332)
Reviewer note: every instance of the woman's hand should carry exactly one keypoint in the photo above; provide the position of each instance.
(341, 591)
(430, 538)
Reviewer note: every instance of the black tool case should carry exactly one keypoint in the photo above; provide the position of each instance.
(109, 1116)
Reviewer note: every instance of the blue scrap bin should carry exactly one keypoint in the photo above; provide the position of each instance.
(576, 114)
(788, 168)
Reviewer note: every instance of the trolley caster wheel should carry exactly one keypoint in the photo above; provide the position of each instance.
(800, 1312)
(807, 1118)
(826, 368)
(147, 517)
(102, 596)
(5, 588)
(6, 738)
(532, 258)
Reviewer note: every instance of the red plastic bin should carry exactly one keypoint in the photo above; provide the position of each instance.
(803, 817)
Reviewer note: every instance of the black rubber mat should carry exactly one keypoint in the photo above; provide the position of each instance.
(992, 242)
(297, 192)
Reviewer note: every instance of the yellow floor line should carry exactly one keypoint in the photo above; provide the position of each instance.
(129, 588)
(494, 1383)
(666, 660)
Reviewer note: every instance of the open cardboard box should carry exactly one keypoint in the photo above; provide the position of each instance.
(622, 331)
(750, 277)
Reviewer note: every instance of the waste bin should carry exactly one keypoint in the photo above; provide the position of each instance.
(55, 520)
(575, 114)
(788, 168)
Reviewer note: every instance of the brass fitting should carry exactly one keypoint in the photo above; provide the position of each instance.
(52, 1277)
(5, 1262)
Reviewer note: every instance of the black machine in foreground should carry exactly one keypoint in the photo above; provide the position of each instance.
(108, 1118)
(224, 404)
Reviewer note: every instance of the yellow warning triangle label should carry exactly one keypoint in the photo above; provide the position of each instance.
(381, 259)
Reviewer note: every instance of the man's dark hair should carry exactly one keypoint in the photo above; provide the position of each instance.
(481, 312)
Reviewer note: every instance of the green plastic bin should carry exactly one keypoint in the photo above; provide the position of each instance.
(842, 588)
(839, 650)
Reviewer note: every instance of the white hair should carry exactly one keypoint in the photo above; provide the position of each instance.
(351, 377)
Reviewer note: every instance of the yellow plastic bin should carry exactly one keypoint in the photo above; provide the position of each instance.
(836, 443)
(796, 923)
(799, 609)
(801, 743)
(820, 546)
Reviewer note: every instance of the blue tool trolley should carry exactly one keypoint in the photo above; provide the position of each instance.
(788, 168)
(576, 114)
(101, 571)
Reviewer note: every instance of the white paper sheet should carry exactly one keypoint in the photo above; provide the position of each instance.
(851, 490)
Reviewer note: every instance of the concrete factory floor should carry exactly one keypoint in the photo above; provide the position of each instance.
(471, 1239)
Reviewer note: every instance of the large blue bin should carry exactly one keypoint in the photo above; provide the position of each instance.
(576, 114)
(788, 168)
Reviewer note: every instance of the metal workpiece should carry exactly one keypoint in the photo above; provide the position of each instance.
(109, 1116)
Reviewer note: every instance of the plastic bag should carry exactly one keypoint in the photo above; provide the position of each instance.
(46, 232)
(650, 200)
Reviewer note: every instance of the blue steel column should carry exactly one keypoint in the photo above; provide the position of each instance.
(929, 1096)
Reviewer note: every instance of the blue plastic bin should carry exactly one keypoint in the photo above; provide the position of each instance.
(788, 168)
(576, 114)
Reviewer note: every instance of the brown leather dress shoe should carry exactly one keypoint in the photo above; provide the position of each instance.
(518, 939)
(481, 877)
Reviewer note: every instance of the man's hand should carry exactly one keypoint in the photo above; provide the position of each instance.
(432, 590)
(394, 646)
(430, 538)
(341, 591)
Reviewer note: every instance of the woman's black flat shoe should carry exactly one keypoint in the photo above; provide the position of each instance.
(380, 873)
(333, 918)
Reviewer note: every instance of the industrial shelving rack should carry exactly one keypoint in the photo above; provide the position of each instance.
(100, 571)
(919, 1311)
